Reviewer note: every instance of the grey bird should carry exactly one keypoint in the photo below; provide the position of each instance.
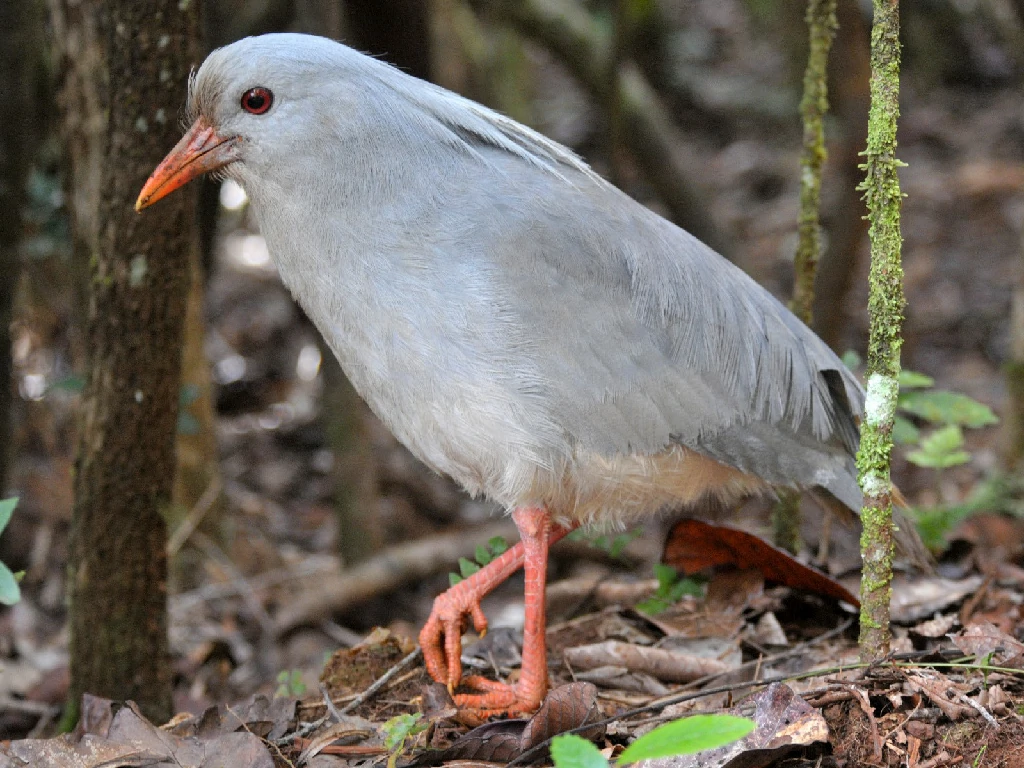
(519, 323)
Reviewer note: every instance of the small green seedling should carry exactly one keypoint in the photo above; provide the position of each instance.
(398, 730)
(680, 737)
(670, 589)
(289, 683)
(481, 557)
(10, 592)
(614, 545)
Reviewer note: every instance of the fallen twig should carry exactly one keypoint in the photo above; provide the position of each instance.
(383, 680)
(388, 570)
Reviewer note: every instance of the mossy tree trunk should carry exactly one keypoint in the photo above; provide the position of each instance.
(821, 26)
(881, 188)
(117, 578)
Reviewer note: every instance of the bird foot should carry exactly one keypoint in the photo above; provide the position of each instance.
(441, 636)
(493, 698)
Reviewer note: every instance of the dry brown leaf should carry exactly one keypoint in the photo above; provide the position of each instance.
(670, 666)
(128, 740)
(565, 708)
(693, 545)
(985, 639)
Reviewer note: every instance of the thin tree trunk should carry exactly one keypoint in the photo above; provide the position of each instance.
(847, 225)
(20, 24)
(137, 286)
(821, 26)
(885, 311)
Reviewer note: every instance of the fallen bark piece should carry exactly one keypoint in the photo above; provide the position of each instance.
(669, 666)
(785, 724)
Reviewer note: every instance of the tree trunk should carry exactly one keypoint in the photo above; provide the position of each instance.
(886, 304)
(19, 134)
(843, 211)
(137, 286)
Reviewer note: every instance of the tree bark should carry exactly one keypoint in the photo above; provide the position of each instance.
(885, 313)
(137, 285)
(19, 134)
(844, 211)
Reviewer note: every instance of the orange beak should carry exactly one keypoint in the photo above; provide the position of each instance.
(200, 151)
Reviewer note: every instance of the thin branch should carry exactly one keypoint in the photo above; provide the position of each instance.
(886, 303)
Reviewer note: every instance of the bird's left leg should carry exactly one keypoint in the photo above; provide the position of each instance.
(447, 620)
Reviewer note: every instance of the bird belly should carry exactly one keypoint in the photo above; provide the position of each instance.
(615, 491)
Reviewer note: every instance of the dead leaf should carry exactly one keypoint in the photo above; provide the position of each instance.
(565, 708)
(693, 545)
(128, 740)
(984, 639)
(921, 597)
(670, 666)
(785, 723)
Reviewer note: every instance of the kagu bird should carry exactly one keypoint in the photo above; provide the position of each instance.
(520, 324)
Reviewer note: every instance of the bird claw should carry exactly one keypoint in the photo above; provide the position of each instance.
(441, 636)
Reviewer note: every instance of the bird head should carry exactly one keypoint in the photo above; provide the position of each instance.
(251, 106)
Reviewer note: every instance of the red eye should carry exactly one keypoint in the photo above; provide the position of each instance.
(257, 100)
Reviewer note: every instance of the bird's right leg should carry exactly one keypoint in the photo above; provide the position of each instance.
(441, 636)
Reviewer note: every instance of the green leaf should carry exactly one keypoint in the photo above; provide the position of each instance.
(915, 380)
(620, 542)
(851, 359)
(572, 751)
(453, 578)
(188, 394)
(942, 407)
(10, 592)
(686, 736)
(187, 424)
(72, 383)
(940, 449)
(497, 545)
(482, 554)
(6, 510)
(666, 576)
(467, 567)
(399, 728)
(684, 587)
(904, 432)
(652, 606)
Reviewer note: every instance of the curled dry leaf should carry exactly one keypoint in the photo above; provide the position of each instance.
(670, 666)
(565, 708)
(693, 545)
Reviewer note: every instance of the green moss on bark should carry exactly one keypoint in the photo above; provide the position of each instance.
(886, 303)
(822, 25)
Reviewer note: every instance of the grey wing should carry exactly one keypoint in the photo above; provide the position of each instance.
(647, 337)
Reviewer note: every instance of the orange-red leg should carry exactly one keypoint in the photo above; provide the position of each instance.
(441, 637)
